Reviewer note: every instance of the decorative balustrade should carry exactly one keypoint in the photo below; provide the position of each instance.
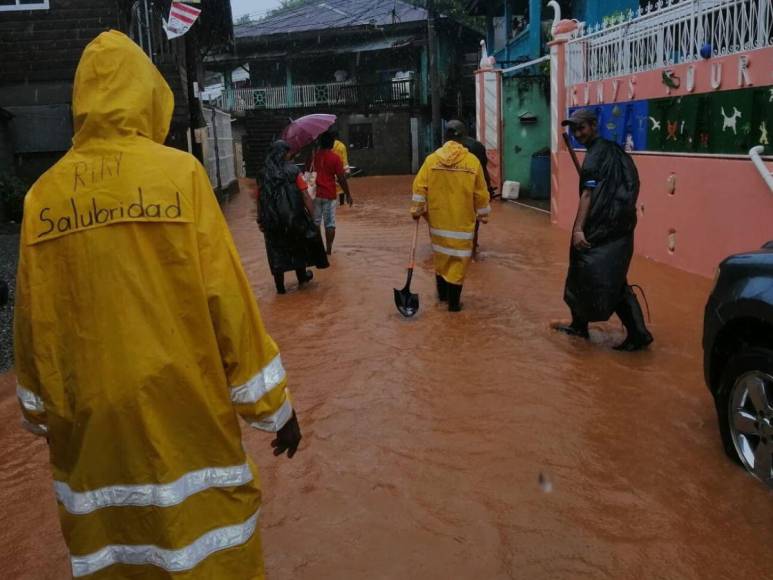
(666, 33)
(366, 96)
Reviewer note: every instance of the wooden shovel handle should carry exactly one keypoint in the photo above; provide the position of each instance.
(412, 258)
(571, 152)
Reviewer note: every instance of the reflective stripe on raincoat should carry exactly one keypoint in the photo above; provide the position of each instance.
(451, 191)
(139, 342)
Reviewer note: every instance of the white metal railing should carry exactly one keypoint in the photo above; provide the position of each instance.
(277, 97)
(666, 33)
(395, 92)
(767, 176)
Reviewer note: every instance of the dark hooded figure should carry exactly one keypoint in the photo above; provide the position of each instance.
(602, 238)
(284, 217)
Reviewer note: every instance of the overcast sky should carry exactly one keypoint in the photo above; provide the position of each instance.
(254, 8)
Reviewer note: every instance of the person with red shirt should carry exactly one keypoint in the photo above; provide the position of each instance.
(329, 167)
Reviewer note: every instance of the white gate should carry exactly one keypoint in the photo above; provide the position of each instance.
(219, 158)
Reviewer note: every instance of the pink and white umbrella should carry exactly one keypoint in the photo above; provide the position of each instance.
(304, 130)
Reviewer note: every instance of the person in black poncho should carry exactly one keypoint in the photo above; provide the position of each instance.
(284, 216)
(602, 238)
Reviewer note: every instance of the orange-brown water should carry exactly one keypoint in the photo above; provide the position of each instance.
(425, 439)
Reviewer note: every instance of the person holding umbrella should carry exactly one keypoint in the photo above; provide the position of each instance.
(450, 191)
(284, 216)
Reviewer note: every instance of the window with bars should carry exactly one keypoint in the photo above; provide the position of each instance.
(8, 5)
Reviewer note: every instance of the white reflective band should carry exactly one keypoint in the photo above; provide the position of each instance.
(161, 495)
(452, 252)
(170, 560)
(29, 400)
(419, 198)
(484, 211)
(35, 428)
(253, 390)
(276, 421)
(452, 234)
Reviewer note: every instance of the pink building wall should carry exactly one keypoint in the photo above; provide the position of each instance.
(694, 210)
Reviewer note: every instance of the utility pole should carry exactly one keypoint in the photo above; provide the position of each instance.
(191, 70)
(433, 74)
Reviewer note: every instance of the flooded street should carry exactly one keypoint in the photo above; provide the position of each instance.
(472, 445)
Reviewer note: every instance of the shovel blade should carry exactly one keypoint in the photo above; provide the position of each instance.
(407, 303)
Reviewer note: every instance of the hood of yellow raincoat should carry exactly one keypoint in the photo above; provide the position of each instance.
(451, 153)
(118, 92)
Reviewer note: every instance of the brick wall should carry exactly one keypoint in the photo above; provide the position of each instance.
(45, 45)
(40, 51)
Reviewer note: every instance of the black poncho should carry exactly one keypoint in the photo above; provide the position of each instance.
(293, 242)
(597, 276)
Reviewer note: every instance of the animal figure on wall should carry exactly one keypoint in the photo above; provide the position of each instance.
(655, 124)
(730, 121)
(764, 134)
(671, 128)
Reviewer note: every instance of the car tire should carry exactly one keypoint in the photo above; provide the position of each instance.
(750, 360)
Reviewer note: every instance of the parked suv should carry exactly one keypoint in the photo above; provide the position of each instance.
(738, 358)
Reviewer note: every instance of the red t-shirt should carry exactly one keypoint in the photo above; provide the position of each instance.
(327, 165)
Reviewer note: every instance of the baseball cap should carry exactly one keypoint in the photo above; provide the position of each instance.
(579, 117)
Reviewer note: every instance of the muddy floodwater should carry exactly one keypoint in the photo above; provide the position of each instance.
(477, 445)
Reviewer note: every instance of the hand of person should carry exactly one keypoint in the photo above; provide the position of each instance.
(579, 242)
(288, 438)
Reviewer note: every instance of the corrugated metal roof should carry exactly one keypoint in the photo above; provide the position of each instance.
(332, 14)
(378, 44)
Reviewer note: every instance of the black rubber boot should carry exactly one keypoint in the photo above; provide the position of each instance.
(303, 276)
(279, 281)
(454, 297)
(442, 288)
(630, 314)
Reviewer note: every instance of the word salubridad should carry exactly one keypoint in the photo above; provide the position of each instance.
(93, 213)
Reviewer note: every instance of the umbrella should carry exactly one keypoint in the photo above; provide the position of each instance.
(304, 130)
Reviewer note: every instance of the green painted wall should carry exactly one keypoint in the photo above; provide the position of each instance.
(523, 95)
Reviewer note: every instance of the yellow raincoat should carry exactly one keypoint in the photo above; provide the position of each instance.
(138, 341)
(451, 191)
(340, 149)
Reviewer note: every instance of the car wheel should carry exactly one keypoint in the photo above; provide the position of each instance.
(745, 409)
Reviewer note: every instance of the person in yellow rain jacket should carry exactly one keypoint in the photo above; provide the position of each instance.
(340, 149)
(139, 342)
(450, 190)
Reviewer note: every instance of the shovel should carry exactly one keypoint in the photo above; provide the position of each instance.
(407, 303)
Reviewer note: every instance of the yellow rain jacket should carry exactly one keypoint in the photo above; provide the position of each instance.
(340, 149)
(139, 342)
(451, 191)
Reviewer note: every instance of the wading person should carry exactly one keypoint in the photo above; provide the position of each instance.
(343, 153)
(285, 208)
(139, 342)
(459, 131)
(330, 170)
(450, 191)
(602, 238)
(456, 128)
